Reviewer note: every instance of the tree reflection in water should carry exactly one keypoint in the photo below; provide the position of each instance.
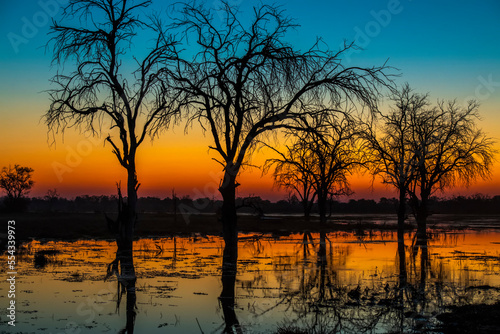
(323, 303)
(123, 268)
(309, 282)
(227, 296)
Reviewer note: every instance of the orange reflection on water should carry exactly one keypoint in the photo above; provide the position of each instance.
(278, 276)
(458, 257)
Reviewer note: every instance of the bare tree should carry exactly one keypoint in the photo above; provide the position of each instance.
(110, 86)
(291, 172)
(449, 149)
(388, 148)
(422, 149)
(52, 196)
(246, 82)
(321, 157)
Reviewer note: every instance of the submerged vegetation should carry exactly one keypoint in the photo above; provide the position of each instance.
(297, 283)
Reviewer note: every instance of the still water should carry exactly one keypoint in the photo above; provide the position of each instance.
(304, 282)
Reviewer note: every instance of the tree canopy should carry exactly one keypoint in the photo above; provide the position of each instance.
(106, 82)
(16, 181)
(319, 160)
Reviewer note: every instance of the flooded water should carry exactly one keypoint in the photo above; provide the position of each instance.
(305, 282)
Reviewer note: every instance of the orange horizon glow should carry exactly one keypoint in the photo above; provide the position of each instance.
(81, 165)
(445, 67)
(188, 168)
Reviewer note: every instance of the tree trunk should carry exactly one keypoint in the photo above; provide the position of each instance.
(403, 280)
(230, 255)
(322, 208)
(123, 228)
(129, 216)
(422, 214)
(401, 214)
(424, 259)
(402, 262)
(229, 218)
(401, 253)
(307, 208)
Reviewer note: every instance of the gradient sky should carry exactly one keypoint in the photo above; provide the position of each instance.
(450, 49)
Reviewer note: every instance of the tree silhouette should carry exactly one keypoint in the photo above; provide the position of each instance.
(109, 86)
(52, 197)
(245, 82)
(319, 160)
(449, 149)
(388, 149)
(16, 182)
(421, 149)
(292, 172)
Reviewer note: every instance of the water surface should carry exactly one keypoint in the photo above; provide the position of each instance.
(347, 282)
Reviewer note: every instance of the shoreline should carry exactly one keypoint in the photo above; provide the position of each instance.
(85, 226)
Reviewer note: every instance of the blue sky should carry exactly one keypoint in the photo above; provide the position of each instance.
(450, 49)
(431, 42)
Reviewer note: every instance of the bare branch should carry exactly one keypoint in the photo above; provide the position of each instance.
(245, 82)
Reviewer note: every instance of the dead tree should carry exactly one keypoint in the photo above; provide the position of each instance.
(245, 83)
(423, 149)
(322, 156)
(106, 85)
(388, 148)
(292, 171)
(449, 149)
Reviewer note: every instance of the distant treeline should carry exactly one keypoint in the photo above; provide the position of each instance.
(475, 204)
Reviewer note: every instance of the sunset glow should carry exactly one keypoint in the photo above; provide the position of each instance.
(236, 166)
(459, 62)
